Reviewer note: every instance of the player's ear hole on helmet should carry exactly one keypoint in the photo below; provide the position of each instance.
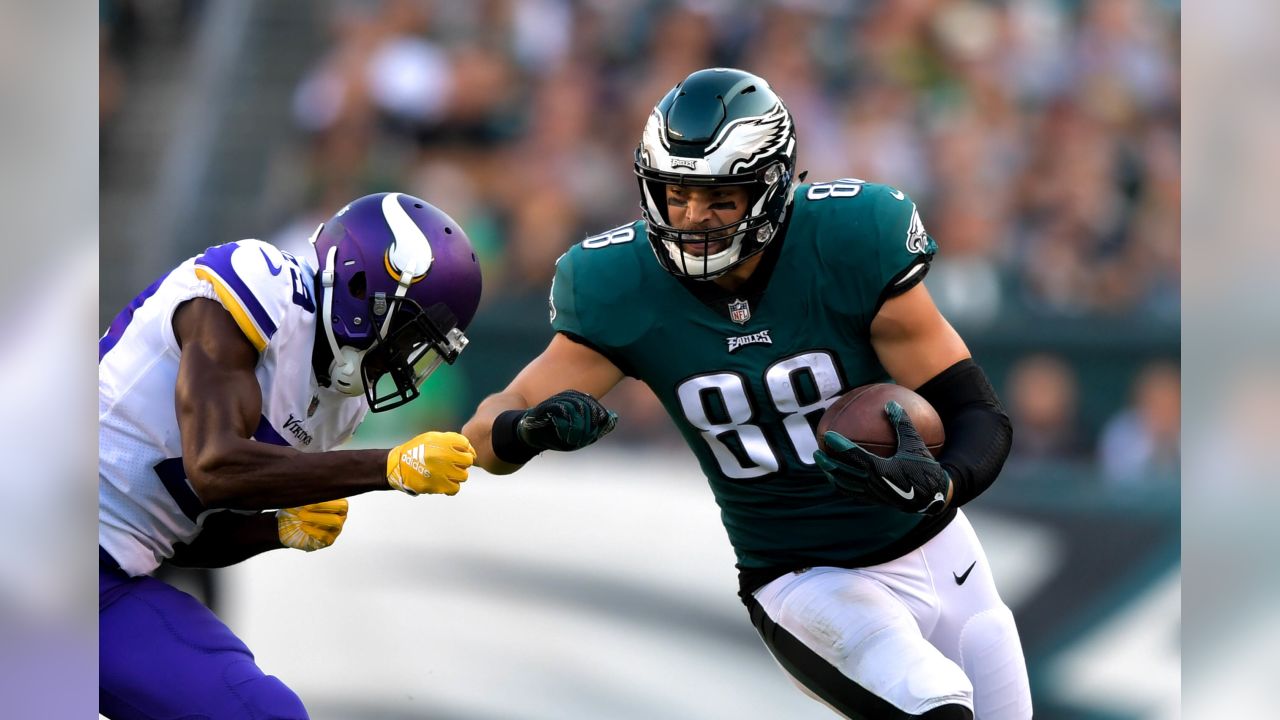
(357, 286)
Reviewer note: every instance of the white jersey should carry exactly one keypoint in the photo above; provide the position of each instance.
(145, 503)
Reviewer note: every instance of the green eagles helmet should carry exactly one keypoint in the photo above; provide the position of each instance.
(718, 126)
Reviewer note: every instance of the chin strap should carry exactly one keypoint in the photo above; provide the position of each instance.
(729, 255)
(343, 375)
(402, 288)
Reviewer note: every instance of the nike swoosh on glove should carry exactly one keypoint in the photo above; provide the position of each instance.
(568, 420)
(911, 481)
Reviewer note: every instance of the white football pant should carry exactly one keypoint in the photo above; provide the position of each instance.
(898, 640)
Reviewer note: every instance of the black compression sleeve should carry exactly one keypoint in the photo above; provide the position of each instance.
(506, 442)
(978, 431)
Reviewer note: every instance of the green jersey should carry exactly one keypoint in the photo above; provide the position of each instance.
(746, 374)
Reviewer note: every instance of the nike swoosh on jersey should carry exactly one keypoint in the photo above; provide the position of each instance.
(275, 269)
(961, 578)
(905, 495)
(215, 266)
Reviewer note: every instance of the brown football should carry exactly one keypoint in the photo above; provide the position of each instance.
(859, 415)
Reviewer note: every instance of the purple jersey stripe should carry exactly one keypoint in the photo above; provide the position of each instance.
(218, 259)
(267, 434)
(174, 478)
(124, 317)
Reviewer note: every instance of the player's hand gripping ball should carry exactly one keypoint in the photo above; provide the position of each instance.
(876, 444)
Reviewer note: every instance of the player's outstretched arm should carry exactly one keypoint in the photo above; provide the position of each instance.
(219, 404)
(550, 405)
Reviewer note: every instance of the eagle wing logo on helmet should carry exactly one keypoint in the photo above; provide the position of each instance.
(655, 135)
(656, 148)
(742, 142)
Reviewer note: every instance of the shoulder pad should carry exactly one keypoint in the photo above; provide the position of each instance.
(258, 284)
(869, 235)
(597, 282)
(883, 219)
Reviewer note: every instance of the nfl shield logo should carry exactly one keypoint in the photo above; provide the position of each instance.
(739, 311)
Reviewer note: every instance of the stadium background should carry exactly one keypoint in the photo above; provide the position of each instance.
(1040, 139)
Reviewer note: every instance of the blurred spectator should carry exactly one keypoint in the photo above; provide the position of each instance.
(881, 143)
(1121, 60)
(550, 186)
(1072, 214)
(295, 236)
(446, 179)
(332, 103)
(541, 33)
(380, 63)
(1142, 442)
(543, 216)
(115, 24)
(1154, 250)
(386, 87)
(1226, 453)
(783, 54)
(1041, 393)
(681, 40)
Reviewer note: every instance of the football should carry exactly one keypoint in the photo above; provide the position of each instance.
(859, 415)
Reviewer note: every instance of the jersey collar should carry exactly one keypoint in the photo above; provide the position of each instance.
(718, 298)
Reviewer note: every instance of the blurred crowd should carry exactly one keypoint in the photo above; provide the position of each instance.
(1139, 443)
(1040, 139)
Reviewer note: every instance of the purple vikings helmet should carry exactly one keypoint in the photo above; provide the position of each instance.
(399, 283)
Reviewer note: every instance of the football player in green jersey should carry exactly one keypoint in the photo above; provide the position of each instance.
(748, 302)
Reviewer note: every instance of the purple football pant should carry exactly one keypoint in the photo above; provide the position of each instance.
(164, 656)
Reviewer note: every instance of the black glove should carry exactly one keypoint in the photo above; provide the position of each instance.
(911, 481)
(568, 420)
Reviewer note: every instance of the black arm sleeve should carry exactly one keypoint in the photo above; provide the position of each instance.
(227, 538)
(506, 442)
(979, 434)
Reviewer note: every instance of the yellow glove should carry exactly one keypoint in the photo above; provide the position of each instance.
(433, 462)
(312, 527)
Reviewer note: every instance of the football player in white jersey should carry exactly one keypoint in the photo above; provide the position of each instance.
(222, 390)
